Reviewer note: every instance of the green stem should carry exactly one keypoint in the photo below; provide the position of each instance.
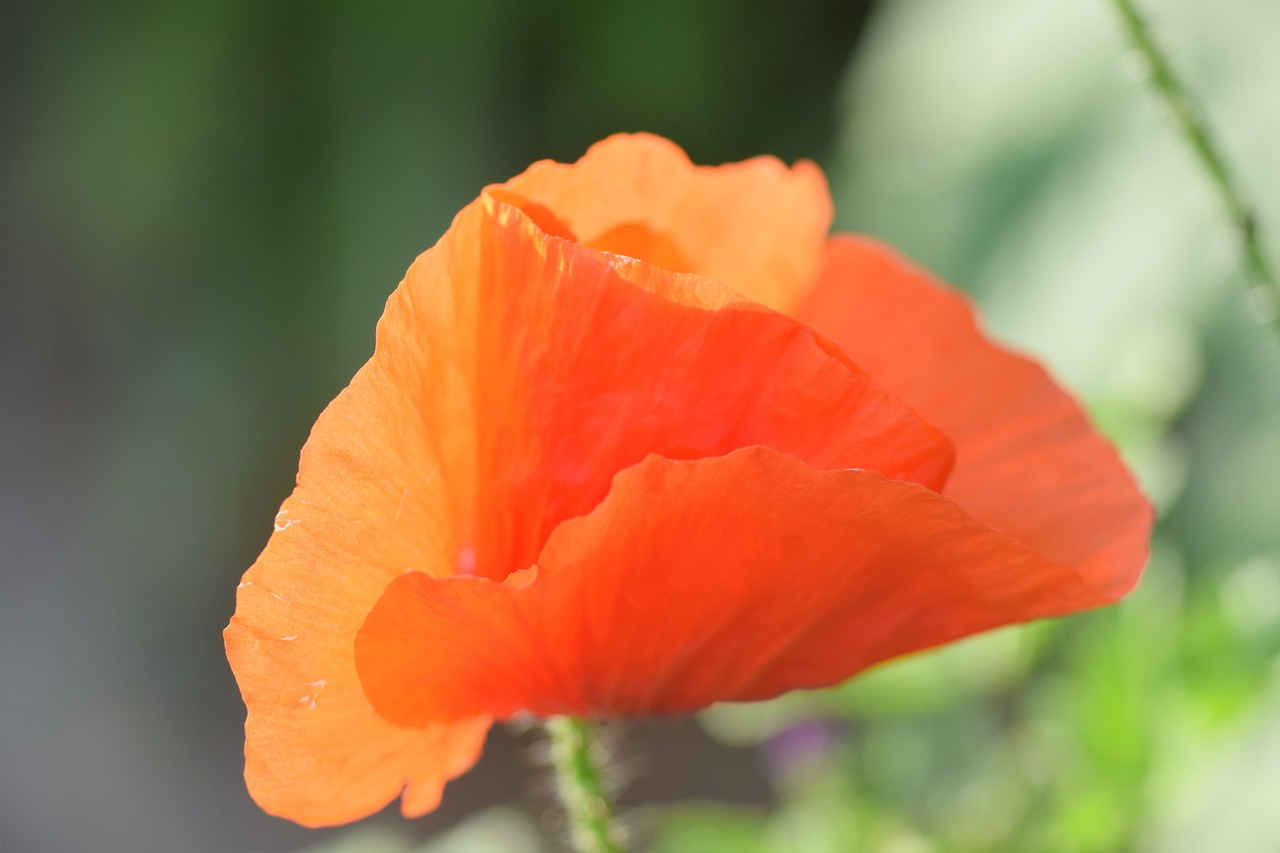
(1193, 127)
(573, 756)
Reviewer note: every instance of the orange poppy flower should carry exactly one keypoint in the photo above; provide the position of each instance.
(637, 437)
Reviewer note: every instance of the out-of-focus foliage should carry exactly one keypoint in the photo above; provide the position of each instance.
(1010, 146)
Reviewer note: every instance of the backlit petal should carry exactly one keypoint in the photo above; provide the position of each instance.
(734, 578)
(756, 226)
(371, 502)
(585, 362)
(1028, 461)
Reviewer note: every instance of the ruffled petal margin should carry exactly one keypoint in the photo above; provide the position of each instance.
(1028, 462)
(367, 507)
(581, 362)
(733, 578)
(756, 226)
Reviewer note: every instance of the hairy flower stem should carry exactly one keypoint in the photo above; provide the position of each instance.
(574, 751)
(1191, 124)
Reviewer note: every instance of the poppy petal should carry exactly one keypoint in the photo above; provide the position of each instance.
(367, 507)
(585, 362)
(756, 226)
(1028, 461)
(734, 578)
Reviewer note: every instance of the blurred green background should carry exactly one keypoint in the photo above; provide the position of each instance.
(206, 204)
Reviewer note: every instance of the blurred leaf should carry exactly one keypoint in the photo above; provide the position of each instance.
(707, 829)
(943, 678)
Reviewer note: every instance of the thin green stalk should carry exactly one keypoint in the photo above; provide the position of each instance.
(1194, 128)
(573, 756)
